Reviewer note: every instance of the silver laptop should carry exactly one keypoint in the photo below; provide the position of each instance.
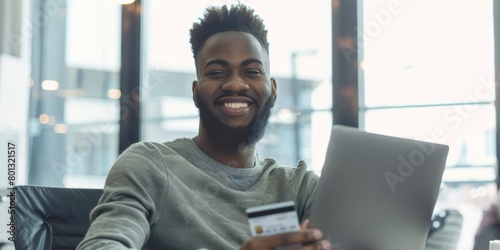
(377, 192)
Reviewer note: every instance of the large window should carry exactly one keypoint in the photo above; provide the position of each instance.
(428, 74)
(74, 107)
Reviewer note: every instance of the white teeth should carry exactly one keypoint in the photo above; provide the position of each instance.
(235, 105)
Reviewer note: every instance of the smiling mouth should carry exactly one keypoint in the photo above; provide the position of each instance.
(236, 105)
(235, 108)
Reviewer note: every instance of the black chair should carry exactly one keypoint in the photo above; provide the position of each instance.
(51, 217)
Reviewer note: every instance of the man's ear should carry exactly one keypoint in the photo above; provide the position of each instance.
(274, 88)
(195, 92)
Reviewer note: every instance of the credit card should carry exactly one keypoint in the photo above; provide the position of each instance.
(273, 219)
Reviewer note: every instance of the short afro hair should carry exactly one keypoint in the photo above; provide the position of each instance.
(220, 19)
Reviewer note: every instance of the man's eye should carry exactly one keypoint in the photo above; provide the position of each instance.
(253, 72)
(216, 73)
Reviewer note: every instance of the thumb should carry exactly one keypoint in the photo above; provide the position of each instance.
(304, 224)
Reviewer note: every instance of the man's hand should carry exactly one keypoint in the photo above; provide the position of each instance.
(309, 238)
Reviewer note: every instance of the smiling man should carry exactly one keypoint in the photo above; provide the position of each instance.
(192, 193)
(234, 94)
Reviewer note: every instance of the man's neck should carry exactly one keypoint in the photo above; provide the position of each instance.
(237, 157)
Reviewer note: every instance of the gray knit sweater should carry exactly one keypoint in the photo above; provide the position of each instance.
(173, 196)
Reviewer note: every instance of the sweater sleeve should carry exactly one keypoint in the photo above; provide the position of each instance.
(307, 183)
(126, 210)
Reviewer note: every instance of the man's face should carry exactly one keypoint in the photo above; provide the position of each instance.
(234, 92)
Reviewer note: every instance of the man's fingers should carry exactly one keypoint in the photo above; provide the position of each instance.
(307, 239)
(305, 236)
(321, 245)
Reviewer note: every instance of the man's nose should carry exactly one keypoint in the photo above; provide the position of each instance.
(235, 84)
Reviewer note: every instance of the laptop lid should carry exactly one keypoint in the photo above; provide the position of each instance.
(377, 192)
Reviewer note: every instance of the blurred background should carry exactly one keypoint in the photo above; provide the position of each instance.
(80, 80)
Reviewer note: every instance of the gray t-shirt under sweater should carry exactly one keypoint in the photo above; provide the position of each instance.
(173, 196)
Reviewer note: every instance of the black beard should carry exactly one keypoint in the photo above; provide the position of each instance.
(230, 137)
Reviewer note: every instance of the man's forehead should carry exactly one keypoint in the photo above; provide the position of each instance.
(231, 35)
(230, 43)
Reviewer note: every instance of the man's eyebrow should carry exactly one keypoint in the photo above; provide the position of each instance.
(226, 63)
(251, 60)
(217, 61)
